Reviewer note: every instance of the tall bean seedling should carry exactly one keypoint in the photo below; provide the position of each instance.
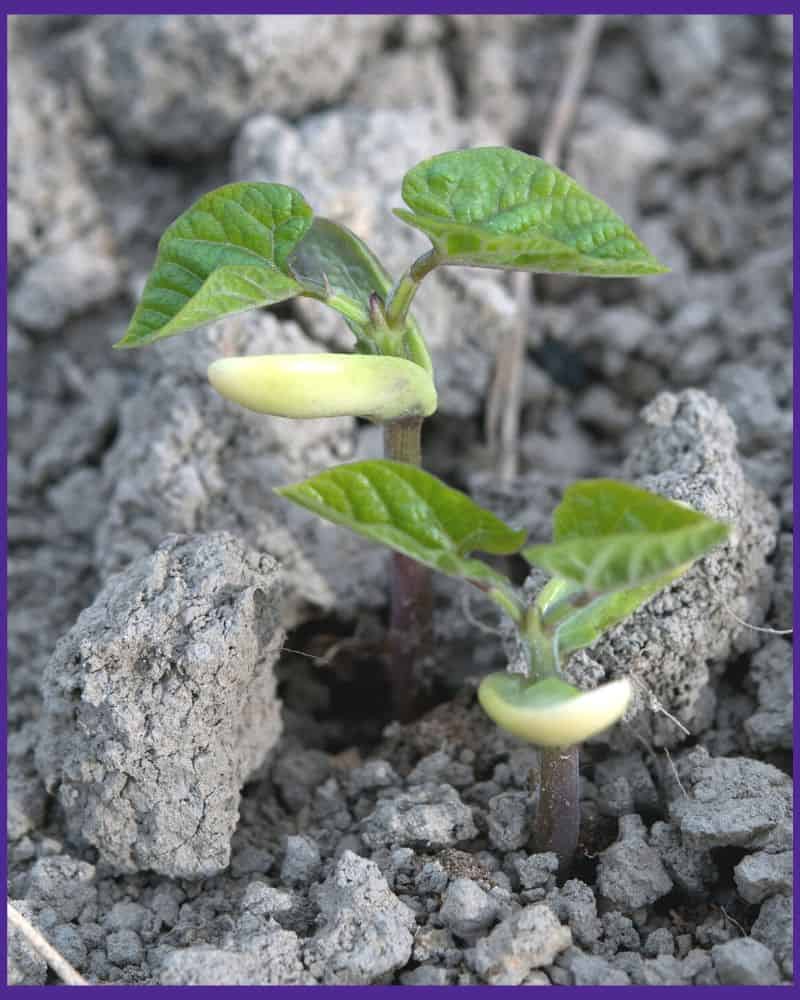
(249, 245)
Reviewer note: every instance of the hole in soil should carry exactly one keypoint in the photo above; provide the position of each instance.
(339, 679)
(597, 833)
(685, 912)
(725, 860)
(737, 670)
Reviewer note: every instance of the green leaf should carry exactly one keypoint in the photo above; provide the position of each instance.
(334, 265)
(585, 625)
(611, 536)
(498, 207)
(337, 266)
(227, 253)
(412, 512)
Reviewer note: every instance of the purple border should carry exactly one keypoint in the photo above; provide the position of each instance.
(408, 7)
(465, 7)
(795, 464)
(4, 495)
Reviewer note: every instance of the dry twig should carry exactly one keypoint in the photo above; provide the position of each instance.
(42, 947)
(504, 402)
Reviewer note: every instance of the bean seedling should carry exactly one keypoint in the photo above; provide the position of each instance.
(614, 547)
(249, 245)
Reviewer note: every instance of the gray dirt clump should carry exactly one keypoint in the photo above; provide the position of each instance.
(277, 962)
(301, 862)
(591, 970)
(763, 874)
(24, 966)
(745, 962)
(690, 869)
(424, 816)
(467, 909)
(624, 785)
(773, 928)
(535, 871)
(186, 460)
(52, 206)
(62, 883)
(770, 727)
(509, 820)
(733, 802)
(255, 949)
(575, 904)
(687, 451)
(530, 939)
(366, 930)
(160, 702)
(26, 800)
(630, 874)
(161, 102)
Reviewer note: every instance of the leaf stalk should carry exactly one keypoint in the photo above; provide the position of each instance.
(401, 296)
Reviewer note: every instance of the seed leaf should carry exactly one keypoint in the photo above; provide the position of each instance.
(611, 536)
(498, 207)
(227, 253)
(550, 712)
(412, 512)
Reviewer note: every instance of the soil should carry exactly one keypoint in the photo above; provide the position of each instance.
(171, 818)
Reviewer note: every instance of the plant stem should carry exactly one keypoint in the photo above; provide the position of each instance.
(557, 821)
(402, 440)
(399, 300)
(558, 812)
(411, 615)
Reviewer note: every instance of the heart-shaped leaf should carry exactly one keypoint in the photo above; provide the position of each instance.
(412, 512)
(612, 536)
(227, 253)
(498, 207)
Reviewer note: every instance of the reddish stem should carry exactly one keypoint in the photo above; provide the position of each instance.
(410, 630)
(558, 811)
(411, 615)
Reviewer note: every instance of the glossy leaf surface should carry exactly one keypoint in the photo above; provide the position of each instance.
(499, 207)
(412, 512)
(334, 265)
(612, 536)
(227, 253)
(331, 260)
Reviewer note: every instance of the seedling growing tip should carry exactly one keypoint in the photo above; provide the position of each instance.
(249, 245)
(614, 547)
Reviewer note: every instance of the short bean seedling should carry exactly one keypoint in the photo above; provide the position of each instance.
(614, 547)
(249, 245)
